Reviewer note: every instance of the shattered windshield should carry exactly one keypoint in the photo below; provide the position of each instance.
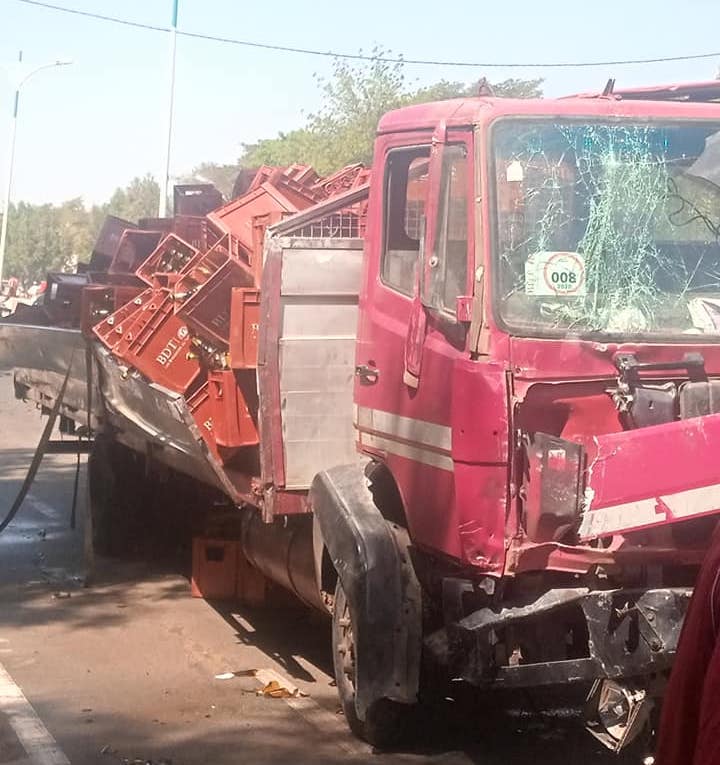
(609, 228)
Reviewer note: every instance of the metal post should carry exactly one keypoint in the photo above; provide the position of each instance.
(8, 180)
(164, 178)
(11, 156)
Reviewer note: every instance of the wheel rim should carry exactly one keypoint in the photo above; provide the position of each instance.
(346, 644)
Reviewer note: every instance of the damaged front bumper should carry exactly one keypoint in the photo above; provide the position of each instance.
(615, 634)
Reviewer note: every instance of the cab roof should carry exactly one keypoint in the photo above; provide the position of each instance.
(468, 112)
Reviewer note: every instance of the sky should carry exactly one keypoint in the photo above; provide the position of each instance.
(88, 128)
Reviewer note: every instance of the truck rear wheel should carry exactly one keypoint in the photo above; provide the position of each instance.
(386, 722)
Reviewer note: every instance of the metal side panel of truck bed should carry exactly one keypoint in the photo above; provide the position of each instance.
(306, 362)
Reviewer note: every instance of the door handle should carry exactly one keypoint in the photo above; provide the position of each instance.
(368, 375)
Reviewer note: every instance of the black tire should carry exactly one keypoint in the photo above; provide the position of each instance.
(386, 722)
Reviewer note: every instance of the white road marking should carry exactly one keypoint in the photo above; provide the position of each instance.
(41, 747)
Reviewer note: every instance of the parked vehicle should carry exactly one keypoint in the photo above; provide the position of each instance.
(467, 404)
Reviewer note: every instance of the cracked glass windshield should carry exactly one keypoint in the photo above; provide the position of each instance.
(608, 228)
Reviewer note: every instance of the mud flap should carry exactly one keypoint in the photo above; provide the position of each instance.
(371, 558)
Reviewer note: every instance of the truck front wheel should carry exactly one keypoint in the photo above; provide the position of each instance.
(386, 722)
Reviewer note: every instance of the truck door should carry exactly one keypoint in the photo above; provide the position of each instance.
(409, 335)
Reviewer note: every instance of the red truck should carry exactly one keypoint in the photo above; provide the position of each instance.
(467, 406)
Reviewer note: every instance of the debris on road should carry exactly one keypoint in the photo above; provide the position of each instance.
(273, 684)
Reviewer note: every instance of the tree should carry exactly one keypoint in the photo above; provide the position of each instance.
(299, 145)
(44, 238)
(355, 97)
(47, 237)
(139, 199)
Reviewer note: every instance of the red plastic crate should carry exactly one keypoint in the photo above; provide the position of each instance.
(110, 330)
(169, 257)
(236, 217)
(157, 224)
(214, 568)
(252, 586)
(260, 224)
(99, 301)
(201, 408)
(134, 248)
(158, 343)
(232, 421)
(204, 291)
(198, 232)
(244, 327)
(195, 198)
(107, 242)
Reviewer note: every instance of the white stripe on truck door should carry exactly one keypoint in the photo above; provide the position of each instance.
(407, 437)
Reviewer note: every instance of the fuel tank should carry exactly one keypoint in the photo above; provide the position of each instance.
(283, 551)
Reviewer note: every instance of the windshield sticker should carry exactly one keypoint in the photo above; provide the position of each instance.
(560, 274)
(515, 172)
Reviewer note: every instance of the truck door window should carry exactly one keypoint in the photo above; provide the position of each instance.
(447, 272)
(405, 195)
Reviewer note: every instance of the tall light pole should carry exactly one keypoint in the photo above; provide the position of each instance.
(165, 175)
(11, 150)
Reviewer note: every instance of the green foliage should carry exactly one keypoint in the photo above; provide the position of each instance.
(283, 150)
(514, 88)
(355, 97)
(47, 237)
(137, 200)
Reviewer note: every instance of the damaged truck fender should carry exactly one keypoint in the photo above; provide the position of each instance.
(373, 564)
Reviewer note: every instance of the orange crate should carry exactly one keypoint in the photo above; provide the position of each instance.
(198, 232)
(157, 343)
(244, 327)
(214, 568)
(252, 586)
(278, 194)
(134, 248)
(110, 331)
(171, 256)
(203, 292)
(201, 408)
(99, 301)
(233, 424)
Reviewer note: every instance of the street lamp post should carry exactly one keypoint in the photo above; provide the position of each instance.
(11, 153)
(165, 175)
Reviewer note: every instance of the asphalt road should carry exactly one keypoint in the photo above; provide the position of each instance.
(126, 668)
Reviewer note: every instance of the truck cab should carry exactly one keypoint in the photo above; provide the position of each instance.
(537, 377)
